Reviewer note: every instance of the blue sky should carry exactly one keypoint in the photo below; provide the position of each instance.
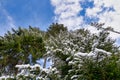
(38, 13)
(30, 12)
(72, 13)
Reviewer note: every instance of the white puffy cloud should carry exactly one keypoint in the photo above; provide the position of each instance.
(106, 11)
(67, 11)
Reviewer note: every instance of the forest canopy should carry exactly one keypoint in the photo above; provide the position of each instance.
(75, 55)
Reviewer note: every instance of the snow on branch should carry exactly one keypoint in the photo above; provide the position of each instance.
(6, 77)
(99, 26)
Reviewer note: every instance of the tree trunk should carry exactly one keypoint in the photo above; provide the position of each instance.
(45, 61)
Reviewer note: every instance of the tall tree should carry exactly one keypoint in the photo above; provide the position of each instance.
(54, 30)
(17, 46)
(77, 54)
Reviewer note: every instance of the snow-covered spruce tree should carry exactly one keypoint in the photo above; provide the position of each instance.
(80, 55)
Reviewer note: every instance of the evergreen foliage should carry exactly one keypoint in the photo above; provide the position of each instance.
(75, 55)
(64, 48)
(17, 46)
(55, 29)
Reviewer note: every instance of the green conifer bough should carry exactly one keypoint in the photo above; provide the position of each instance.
(17, 46)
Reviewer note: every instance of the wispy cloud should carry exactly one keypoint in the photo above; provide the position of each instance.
(105, 11)
(6, 21)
